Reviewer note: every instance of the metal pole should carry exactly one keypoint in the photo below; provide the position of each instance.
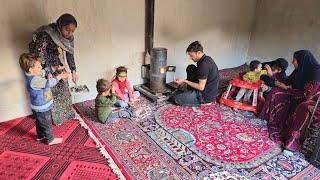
(149, 25)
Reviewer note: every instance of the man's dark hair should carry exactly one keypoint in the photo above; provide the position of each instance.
(254, 64)
(195, 47)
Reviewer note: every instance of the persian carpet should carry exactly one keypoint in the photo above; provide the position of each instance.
(194, 143)
(130, 146)
(22, 157)
(218, 135)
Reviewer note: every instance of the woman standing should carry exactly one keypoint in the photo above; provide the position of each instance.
(287, 106)
(54, 43)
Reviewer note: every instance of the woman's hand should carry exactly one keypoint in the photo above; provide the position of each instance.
(74, 77)
(281, 85)
(278, 83)
(269, 70)
(267, 66)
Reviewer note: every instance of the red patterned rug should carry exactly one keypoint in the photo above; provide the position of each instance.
(132, 148)
(22, 157)
(150, 148)
(219, 135)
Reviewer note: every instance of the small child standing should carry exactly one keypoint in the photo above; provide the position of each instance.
(104, 101)
(123, 89)
(40, 93)
(252, 76)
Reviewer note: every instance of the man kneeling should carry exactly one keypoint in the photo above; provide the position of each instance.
(202, 79)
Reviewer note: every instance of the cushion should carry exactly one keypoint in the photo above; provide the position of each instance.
(227, 74)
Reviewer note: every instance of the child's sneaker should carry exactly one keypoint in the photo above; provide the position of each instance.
(55, 141)
(40, 139)
(207, 104)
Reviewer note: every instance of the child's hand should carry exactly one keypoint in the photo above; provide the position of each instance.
(132, 103)
(64, 75)
(50, 76)
(106, 93)
(113, 89)
(57, 68)
(60, 68)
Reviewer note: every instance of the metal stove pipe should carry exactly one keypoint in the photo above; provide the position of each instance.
(149, 25)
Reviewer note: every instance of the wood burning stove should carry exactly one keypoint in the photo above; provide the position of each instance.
(157, 70)
(154, 74)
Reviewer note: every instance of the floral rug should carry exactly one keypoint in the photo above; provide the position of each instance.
(218, 134)
(167, 141)
(132, 149)
(22, 157)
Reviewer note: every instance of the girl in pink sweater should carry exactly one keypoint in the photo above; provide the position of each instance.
(124, 91)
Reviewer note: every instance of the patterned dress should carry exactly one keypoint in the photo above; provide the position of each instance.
(288, 113)
(50, 53)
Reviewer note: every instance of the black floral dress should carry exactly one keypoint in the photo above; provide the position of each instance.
(43, 46)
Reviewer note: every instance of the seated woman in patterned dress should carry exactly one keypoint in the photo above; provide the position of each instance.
(287, 106)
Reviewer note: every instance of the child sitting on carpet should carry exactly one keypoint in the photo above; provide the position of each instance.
(252, 76)
(124, 92)
(104, 101)
(40, 95)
